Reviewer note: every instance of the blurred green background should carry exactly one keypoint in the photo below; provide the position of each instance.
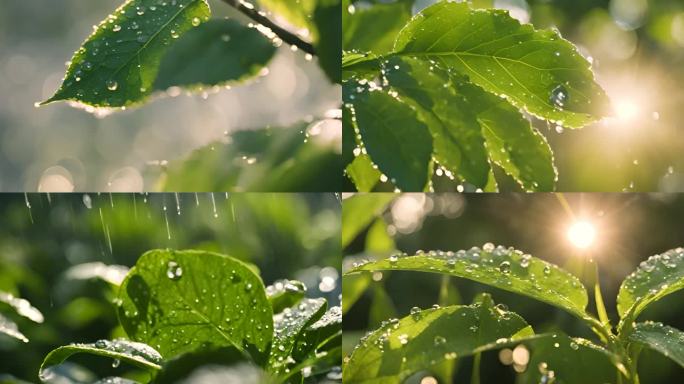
(294, 236)
(629, 228)
(57, 147)
(637, 52)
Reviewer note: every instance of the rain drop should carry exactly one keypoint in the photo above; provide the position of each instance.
(112, 85)
(559, 96)
(173, 270)
(505, 267)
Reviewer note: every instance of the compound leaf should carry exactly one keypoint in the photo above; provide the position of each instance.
(536, 70)
(215, 53)
(180, 301)
(117, 65)
(504, 268)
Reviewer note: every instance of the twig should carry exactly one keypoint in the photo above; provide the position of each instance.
(285, 35)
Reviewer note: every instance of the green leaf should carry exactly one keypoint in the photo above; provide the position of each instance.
(328, 325)
(112, 274)
(535, 69)
(353, 287)
(378, 241)
(399, 144)
(270, 159)
(137, 354)
(359, 65)
(22, 307)
(557, 358)
(363, 174)
(9, 328)
(428, 337)
(296, 12)
(327, 18)
(359, 211)
(459, 144)
(117, 65)
(285, 293)
(288, 327)
(655, 278)
(504, 268)
(179, 301)
(348, 137)
(217, 52)
(374, 29)
(185, 367)
(662, 338)
(382, 307)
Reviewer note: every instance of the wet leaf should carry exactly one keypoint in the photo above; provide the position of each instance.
(218, 52)
(329, 324)
(285, 293)
(363, 174)
(655, 278)
(296, 12)
(536, 70)
(374, 28)
(9, 328)
(180, 301)
(504, 268)
(358, 212)
(137, 354)
(22, 307)
(288, 327)
(428, 337)
(395, 139)
(662, 338)
(188, 366)
(117, 65)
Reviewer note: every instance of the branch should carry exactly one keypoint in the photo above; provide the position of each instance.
(285, 35)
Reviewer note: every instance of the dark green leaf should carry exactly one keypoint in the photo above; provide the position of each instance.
(428, 337)
(504, 268)
(117, 65)
(374, 28)
(348, 137)
(179, 301)
(188, 366)
(359, 211)
(397, 141)
(535, 69)
(285, 293)
(662, 338)
(137, 354)
(459, 144)
(329, 324)
(363, 174)
(217, 52)
(359, 65)
(328, 37)
(288, 327)
(382, 307)
(656, 277)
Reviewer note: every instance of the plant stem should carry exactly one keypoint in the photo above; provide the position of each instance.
(475, 377)
(250, 11)
(598, 298)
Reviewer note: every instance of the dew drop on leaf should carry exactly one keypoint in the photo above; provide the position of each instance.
(559, 96)
(505, 267)
(173, 270)
(112, 85)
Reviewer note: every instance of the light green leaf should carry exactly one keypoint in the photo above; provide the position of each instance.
(458, 141)
(662, 338)
(399, 144)
(285, 293)
(117, 65)
(289, 326)
(374, 28)
(655, 278)
(428, 337)
(359, 211)
(296, 12)
(504, 268)
(536, 70)
(179, 301)
(22, 307)
(352, 288)
(382, 307)
(9, 328)
(363, 174)
(378, 240)
(217, 52)
(137, 354)
(359, 65)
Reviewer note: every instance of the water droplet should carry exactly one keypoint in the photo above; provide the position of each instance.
(116, 363)
(116, 28)
(174, 271)
(488, 247)
(574, 346)
(505, 267)
(174, 34)
(248, 287)
(196, 21)
(439, 340)
(547, 270)
(558, 97)
(225, 37)
(112, 85)
(87, 201)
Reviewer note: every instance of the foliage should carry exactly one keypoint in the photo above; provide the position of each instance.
(149, 48)
(432, 340)
(174, 303)
(461, 81)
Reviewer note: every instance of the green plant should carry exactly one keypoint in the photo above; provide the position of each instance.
(427, 338)
(184, 310)
(449, 90)
(152, 48)
(23, 308)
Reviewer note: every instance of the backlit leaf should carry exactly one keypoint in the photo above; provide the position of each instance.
(662, 338)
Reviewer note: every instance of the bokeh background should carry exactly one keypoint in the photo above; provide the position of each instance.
(69, 148)
(629, 228)
(295, 236)
(637, 52)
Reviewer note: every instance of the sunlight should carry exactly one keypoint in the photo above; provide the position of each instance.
(581, 234)
(626, 110)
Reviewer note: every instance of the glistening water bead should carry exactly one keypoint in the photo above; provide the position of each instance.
(559, 96)
(173, 270)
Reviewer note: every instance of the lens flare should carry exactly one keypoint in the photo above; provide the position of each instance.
(582, 234)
